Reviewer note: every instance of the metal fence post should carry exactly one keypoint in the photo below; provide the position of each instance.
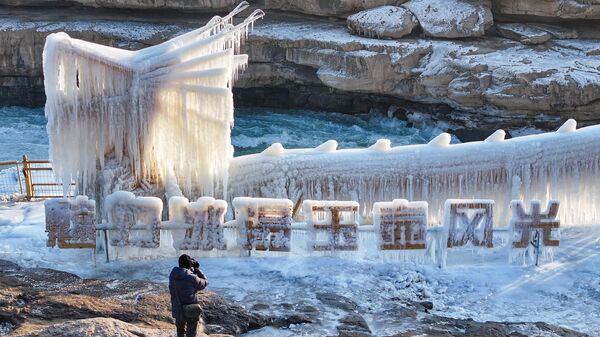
(28, 180)
(19, 177)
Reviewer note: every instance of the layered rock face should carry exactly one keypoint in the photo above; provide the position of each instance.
(475, 63)
(496, 79)
(550, 9)
(325, 7)
(203, 5)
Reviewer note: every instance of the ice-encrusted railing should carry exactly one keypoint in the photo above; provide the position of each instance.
(564, 165)
(71, 223)
(400, 228)
(136, 107)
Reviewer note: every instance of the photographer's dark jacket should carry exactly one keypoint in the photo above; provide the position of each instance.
(183, 285)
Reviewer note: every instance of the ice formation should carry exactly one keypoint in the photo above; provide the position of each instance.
(469, 222)
(138, 106)
(197, 225)
(333, 225)
(264, 224)
(401, 224)
(561, 165)
(522, 224)
(133, 221)
(71, 223)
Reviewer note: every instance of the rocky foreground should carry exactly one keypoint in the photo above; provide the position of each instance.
(45, 302)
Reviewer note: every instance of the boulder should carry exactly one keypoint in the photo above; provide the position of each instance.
(549, 9)
(383, 22)
(98, 327)
(452, 18)
(523, 33)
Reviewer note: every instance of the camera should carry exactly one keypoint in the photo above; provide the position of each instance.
(195, 264)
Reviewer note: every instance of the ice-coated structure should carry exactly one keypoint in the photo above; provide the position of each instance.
(401, 224)
(264, 224)
(133, 221)
(136, 107)
(562, 165)
(71, 223)
(332, 225)
(523, 223)
(197, 225)
(469, 222)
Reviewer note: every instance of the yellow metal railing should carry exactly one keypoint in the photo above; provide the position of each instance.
(35, 179)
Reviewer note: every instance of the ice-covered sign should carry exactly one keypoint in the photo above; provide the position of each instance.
(133, 221)
(469, 221)
(401, 224)
(333, 224)
(197, 225)
(523, 224)
(71, 223)
(165, 107)
(264, 224)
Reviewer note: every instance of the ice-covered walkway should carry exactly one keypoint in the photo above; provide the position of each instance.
(484, 287)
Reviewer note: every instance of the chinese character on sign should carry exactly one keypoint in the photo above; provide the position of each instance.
(469, 221)
(401, 224)
(523, 224)
(333, 224)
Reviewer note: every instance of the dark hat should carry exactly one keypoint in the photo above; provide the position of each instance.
(185, 261)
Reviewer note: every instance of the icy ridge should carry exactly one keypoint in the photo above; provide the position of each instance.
(557, 165)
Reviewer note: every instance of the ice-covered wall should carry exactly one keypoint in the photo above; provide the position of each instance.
(164, 108)
(71, 223)
(264, 224)
(563, 165)
(197, 225)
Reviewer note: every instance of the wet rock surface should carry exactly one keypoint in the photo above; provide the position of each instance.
(34, 298)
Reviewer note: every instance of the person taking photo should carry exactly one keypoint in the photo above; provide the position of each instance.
(184, 283)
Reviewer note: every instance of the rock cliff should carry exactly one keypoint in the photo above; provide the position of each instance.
(475, 63)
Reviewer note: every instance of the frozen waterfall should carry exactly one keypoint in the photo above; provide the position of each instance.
(166, 108)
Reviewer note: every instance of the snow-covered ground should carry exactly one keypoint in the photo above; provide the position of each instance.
(565, 291)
